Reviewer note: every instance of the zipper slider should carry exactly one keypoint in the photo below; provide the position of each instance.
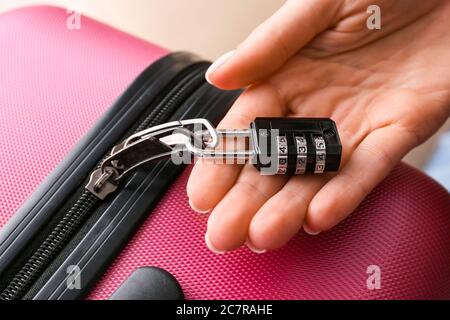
(153, 144)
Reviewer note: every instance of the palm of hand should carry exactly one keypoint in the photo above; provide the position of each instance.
(386, 96)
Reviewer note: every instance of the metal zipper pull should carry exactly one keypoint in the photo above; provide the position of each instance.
(152, 144)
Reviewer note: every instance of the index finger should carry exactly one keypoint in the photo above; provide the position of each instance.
(209, 182)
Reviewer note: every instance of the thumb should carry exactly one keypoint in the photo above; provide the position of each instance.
(271, 44)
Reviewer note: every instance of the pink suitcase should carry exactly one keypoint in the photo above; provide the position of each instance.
(57, 88)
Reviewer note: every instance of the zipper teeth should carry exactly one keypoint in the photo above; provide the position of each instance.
(54, 242)
(86, 203)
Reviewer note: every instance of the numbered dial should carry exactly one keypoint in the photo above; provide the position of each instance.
(321, 154)
(282, 155)
(302, 154)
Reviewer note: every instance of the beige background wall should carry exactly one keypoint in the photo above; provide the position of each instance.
(207, 27)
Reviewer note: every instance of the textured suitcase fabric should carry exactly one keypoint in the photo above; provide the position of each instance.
(56, 83)
(402, 227)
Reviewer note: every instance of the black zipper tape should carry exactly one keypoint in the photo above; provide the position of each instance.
(136, 95)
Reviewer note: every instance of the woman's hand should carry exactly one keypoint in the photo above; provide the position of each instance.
(388, 91)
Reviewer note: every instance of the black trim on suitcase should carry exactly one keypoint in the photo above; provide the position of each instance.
(106, 231)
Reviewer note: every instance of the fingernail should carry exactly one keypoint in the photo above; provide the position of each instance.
(309, 231)
(252, 248)
(210, 246)
(198, 210)
(219, 62)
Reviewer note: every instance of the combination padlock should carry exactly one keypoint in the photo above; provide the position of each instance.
(274, 145)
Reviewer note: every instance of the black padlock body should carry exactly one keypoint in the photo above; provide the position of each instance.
(309, 128)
